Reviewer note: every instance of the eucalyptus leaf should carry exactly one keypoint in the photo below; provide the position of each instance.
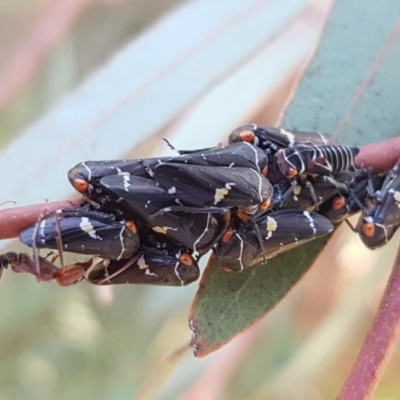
(348, 89)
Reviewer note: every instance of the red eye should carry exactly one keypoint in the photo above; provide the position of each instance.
(338, 203)
(368, 229)
(186, 259)
(247, 136)
(81, 185)
(131, 226)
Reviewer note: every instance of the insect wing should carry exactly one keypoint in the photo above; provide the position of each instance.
(213, 186)
(85, 176)
(241, 154)
(84, 235)
(280, 231)
(144, 198)
(273, 139)
(146, 268)
(138, 195)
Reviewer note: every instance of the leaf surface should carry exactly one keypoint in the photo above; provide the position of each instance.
(348, 89)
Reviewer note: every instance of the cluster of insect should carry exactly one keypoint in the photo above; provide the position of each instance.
(150, 220)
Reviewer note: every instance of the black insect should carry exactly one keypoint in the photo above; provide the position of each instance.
(344, 204)
(84, 232)
(280, 231)
(143, 198)
(148, 266)
(200, 186)
(85, 176)
(272, 139)
(311, 192)
(312, 160)
(238, 155)
(380, 220)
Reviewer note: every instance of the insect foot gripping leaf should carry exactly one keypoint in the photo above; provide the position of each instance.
(148, 266)
(84, 232)
(279, 231)
(228, 303)
(378, 223)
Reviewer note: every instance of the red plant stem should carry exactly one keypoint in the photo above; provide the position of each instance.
(381, 156)
(14, 220)
(376, 349)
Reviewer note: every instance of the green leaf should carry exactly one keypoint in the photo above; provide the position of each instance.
(349, 89)
(227, 301)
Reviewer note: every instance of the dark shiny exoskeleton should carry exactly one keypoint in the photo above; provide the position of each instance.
(312, 160)
(85, 177)
(84, 231)
(271, 139)
(148, 266)
(199, 186)
(311, 192)
(144, 199)
(238, 155)
(280, 231)
(267, 192)
(380, 220)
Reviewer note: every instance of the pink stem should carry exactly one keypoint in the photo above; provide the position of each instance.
(376, 349)
(14, 220)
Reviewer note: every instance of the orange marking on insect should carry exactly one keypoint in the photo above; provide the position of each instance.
(186, 259)
(265, 205)
(81, 185)
(227, 235)
(368, 229)
(265, 171)
(131, 226)
(247, 136)
(226, 269)
(338, 203)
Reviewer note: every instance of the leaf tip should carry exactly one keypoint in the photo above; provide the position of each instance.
(197, 349)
